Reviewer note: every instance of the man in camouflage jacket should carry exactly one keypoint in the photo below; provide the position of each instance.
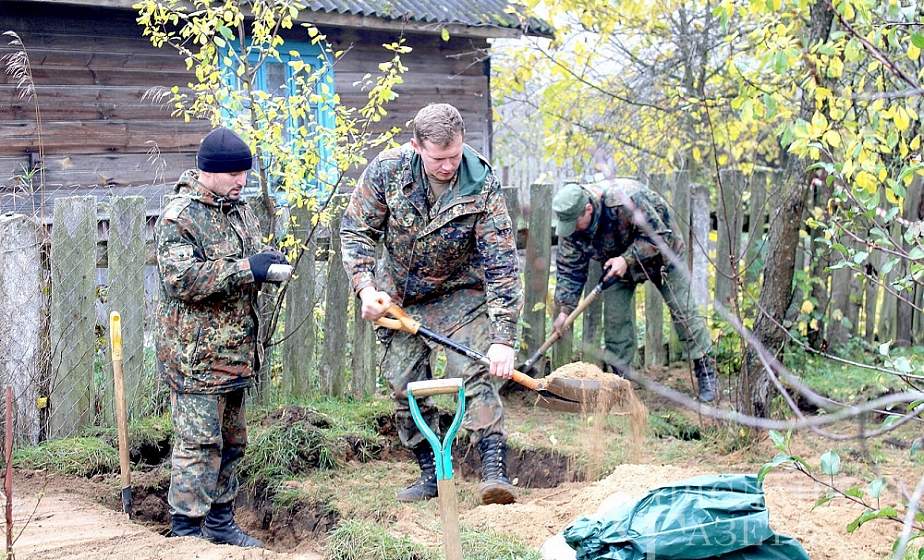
(211, 262)
(626, 226)
(450, 260)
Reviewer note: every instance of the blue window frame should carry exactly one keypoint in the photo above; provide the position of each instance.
(277, 77)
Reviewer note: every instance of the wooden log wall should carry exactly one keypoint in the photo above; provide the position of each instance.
(92, 68)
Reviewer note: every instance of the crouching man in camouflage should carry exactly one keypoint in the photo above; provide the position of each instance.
(621, 224)
(450, 259)
(211, 263)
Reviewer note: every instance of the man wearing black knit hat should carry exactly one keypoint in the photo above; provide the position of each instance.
(212, 264)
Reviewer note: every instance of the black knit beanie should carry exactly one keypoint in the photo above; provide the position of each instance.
(223, 151)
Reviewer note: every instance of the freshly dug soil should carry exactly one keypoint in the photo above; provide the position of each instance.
(790, 498)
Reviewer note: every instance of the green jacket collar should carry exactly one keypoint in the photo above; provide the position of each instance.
(471, 177)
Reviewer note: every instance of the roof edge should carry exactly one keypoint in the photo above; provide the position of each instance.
(352, 21)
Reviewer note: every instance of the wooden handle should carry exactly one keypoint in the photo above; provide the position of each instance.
(115, 337)
(399, 321)
(449, 515)
(527, 381)
(556, 335)
(432, 387)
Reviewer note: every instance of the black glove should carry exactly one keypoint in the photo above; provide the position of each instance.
(260, 263)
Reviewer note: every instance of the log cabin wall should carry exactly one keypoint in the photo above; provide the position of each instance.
(92, 67)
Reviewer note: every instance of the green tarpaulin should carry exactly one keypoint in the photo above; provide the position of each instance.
(721, 517)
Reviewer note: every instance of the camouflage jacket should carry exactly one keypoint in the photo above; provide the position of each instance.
(208, 332)
(628, 216)
(444, 266)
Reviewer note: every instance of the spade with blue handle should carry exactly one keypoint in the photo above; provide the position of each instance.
(442, 453)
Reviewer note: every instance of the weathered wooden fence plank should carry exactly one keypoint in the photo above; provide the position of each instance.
(363, 359)
(73, 315)
(298, 349)
(512, 197)
(757, 219)
(126, 257)
(21, 321)
(904, 317)
(681, 200)
(699, 245)
(336, 315)
(871, 296)
(592, 326)
(728, 214)
(654, 305)
(563, 350)
(538, 256)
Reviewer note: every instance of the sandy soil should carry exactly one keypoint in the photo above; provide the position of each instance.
(56, 521)
(790, 498)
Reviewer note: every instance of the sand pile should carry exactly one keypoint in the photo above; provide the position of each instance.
(790, 501)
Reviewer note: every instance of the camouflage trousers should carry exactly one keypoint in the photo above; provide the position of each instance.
(619, 325)
(210, 434)
(407, 358)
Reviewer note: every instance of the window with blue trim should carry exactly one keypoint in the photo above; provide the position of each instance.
(276, 77)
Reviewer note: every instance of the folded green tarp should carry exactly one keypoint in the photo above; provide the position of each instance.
(717, 517)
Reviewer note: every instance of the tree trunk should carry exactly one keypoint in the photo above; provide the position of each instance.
(776, 292)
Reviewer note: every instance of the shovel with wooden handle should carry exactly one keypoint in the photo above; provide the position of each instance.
(585, 302)
(442, 454)
(574, 391)
(115, 338)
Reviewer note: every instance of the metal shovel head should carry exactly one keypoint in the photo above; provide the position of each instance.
(128, 501)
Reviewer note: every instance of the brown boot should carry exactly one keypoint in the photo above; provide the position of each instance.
(495, 487)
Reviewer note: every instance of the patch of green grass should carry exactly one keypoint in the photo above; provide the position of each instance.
(354, 540)
(150, 431)
(281, 451)
(363, 540)
(80, 456)
(846, 382)
(673, 425)
(488, 545)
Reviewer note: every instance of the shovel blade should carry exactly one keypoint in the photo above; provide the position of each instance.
(127, 501)
(576, 390)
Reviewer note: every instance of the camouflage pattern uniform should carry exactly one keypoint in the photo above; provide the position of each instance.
(207, 338)
(627, 219)
(452, 265)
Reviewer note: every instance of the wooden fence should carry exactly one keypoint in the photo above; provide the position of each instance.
(61, 373)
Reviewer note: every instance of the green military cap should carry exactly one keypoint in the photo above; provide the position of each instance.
(569, 204)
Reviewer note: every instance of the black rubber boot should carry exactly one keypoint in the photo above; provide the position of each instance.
(706, 378)
(220, 528)
(495, 487)
(424, 487)
(185, 526)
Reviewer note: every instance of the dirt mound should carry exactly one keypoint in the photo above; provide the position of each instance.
(290, 415)
(790, 499)
(59, 525)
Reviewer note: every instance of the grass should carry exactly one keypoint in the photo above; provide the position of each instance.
(354, 540)
(364, 540)
(488, 545)
(81, 456)
(149, 431)
(846, 382)
(365, 491)
(281, 451)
